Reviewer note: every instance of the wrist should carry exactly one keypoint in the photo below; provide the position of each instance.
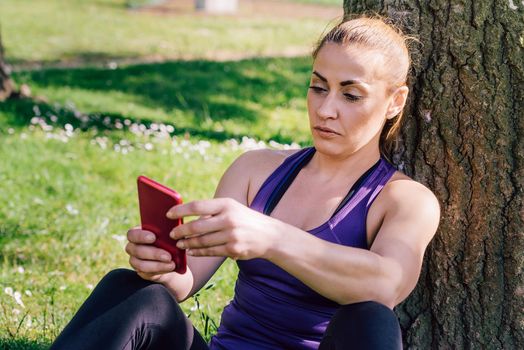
(178, 285)
(277, 231)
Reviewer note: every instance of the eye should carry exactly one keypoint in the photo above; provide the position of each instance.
(317, 89)
(352, 98)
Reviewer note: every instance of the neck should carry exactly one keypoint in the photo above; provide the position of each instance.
(335, 167)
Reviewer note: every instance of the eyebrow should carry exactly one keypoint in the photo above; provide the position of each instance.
(342, 83)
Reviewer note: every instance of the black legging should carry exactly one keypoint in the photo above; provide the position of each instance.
(119, 315)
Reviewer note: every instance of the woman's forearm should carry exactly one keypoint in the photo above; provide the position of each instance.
(340, 273)
(180, 286)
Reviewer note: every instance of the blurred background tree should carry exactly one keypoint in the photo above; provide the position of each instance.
(463, 138)
(6, 83)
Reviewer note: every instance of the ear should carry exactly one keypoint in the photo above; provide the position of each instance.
(397, 102)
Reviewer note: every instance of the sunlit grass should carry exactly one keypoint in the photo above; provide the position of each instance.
(69, 158)
(62, 30)
(261, 98)
(68, 198)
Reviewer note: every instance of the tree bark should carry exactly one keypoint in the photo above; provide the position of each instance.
(462, 138)
(6, 84)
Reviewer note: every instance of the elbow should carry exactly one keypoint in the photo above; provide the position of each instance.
(389, 284)
(387, 293)
(385, 286)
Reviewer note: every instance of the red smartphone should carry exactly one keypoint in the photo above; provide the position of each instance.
(155, 200)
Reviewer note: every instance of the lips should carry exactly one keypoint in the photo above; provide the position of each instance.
(326, 129)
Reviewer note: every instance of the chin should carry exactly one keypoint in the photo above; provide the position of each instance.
(332, 148)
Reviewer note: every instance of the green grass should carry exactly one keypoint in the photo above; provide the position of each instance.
(261, 98)
(62, 30)
(69, 164)
(69, 158)
(67, 202)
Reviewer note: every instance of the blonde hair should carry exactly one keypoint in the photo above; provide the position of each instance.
(377, 33)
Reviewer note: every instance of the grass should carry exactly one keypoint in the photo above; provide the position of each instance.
(65, 30)
(69, 166)
(67, 199)
(69, 158)
(270, 104)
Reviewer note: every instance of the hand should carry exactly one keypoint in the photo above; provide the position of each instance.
(151, 263)
(225, 228)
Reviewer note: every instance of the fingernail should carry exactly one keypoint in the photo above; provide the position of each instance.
(150, 238)
(189, 252)
(165, 257)
(180, 244)
(172, 234)
(170, 215)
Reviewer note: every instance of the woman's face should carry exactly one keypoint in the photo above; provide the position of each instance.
(348, 99)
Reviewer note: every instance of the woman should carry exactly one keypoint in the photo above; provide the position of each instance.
(320, 267)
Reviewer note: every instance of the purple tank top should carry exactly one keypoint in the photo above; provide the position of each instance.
(272, 309)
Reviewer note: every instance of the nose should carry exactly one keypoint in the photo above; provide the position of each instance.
(328, 108)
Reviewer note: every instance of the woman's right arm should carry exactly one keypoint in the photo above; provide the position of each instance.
(151, 263)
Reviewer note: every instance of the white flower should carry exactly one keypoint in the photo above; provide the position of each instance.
(8, 291)
(119, 238)
(89, 286)
(36, 110)
(29, 322)
(28, 293)
(18, 299)
(16, 311)
(20, 269)
(148, 146)
(62, 287)
(72, 210)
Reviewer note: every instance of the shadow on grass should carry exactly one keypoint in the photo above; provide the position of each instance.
(20, 113)
(242, 93)
(22, 344)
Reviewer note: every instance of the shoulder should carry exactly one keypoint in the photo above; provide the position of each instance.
(407, 205)
(402, 193)
(250, 169)
(263, 157)
(404, 205)
(259, 163)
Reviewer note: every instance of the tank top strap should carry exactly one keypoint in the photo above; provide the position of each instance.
(277, 178)
(367, 192)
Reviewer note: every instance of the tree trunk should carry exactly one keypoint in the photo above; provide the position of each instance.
(462, 138)
(6, 84)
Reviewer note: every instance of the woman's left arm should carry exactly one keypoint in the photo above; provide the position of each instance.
(386, 273)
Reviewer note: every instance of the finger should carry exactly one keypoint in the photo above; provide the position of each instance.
(198, 227)
(137, 235)
(213, 251)
(147, 252)
(197, 208)
(203, 241)
(148, 266)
